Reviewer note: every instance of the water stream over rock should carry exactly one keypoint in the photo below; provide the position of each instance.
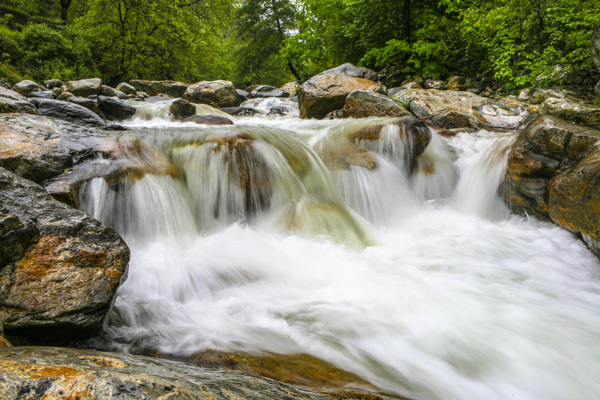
(398, 264)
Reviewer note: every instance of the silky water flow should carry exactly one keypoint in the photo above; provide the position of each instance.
(413, 274)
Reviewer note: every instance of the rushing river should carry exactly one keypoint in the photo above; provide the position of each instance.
(420, 282)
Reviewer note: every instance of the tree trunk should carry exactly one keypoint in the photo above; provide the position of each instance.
(64, 9)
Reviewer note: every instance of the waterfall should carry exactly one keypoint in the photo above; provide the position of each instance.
(384, 251)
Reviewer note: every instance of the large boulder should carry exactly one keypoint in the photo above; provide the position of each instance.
(55, 373)
(352, 70)
(39, 148)
(68, 111)
(59, 279)
(181, 109)
(364, 103)
(111, 92)
(126, 88)
(572, 110)
(553, 174)
(114, 109)
(154, 88)
(324, 93)
(26, 87)
(595, 46)
(90, 104)
(217, 94)
(450, 109)
(263, 91)
(11, 101)
(84, 87)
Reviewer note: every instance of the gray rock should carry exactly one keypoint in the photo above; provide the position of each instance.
(114, 109)
(84, 87)
(26, 87)
(126, 88)
(90, 104)
(63, 283)
(363, 104)
(264, 91)
(240, 111)
(154, 88)
(11, 102)
(571, 111)
(5, 84)
(53, 83)
(243, 94)
(68, 111)
(28, 372)
(181, 109)
(110, 92)
(352, 70)
(435, 84)
(42, 94)
(214, 93)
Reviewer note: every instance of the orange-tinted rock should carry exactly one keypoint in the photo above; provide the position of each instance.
(324, 93)
(54, 373)
(61, 283)
(292, 88)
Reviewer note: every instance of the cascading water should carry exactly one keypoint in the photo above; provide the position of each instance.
(408, 272)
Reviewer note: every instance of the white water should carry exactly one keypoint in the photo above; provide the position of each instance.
(435, 292)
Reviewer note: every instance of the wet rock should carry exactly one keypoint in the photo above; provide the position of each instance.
(84, 87)
(42, 94)
(354, 71)
(240, 111)
(364, 103)
(243, 94)
(216, 94)
(292, 88)
(62, 286)
(181, 109)
(264, 91)
(72, 373)
(11, 101)
(114, 109)
(324, 93)
(53, 83)
(68, 111)
(277, 110)
(341, 155)
(39, 148)
(546, 147)
(209, 120)
(572, 111)
(110, 92)
(90, 104)
(126, 88)
(154, 88)
(595, 46)
(458, 109)
(26, 87)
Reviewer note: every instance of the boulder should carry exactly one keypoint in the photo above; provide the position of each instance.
(448, 109)
(84, 87)
(209, 120)
(65, 96)
(126, 88)
(364, 103)
(595, 46)
(571, 111)
(324, 93)
(26, 87)
(11, 101)
(114, 109)
(292, 87)
(60, 283)
(435, 84)
(154, 88)
(56, 373)
(68, 111)
(38, 148)
(181, 109)
(53, 83)
(264, 91)
(243, 94)
(5, 84)
(110, 92)
(214, 93)
(90, 104)
(352, 70)
(42, 94)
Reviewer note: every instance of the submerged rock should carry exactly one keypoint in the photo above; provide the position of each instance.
(240, 111)
(154, 88)
(209, 120)
(60, 279)
(11, 101)
(214, 93)
(72, 373)
(324, 93)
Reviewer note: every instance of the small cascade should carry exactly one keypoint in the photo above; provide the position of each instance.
(266, 105)
(149, 110)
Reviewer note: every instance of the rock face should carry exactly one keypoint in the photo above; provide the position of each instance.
(324, 93)
(154, 88)
(595, 46)
(54, 373)
(68, 111)
(38, 148)
(217, 94)
(363, 103)
(553, 173)
(11, 101)
(457, 109)
(84, 87)
(60, 279)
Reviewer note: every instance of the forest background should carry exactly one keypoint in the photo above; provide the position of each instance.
(516, 43)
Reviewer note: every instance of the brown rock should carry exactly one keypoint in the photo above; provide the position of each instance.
(181, 109)
(456, 83)
(154, 88)
(63, 283)
(324, 93)
(217, 94)
(572, 110)
(84, 87)
(292, 88)
(364, 103)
